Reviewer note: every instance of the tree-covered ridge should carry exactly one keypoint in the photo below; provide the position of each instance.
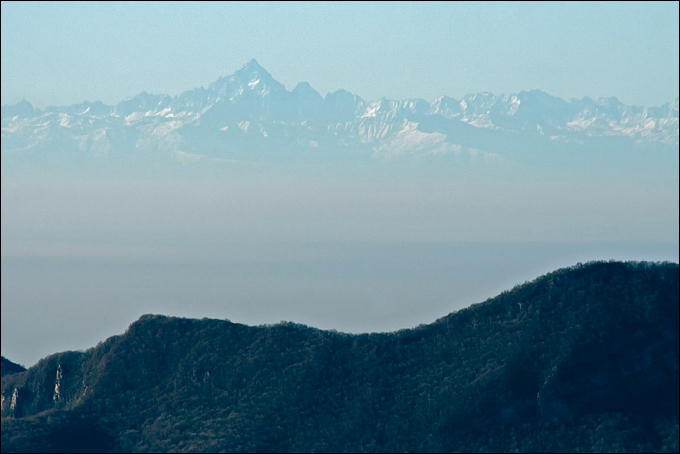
(581, 359)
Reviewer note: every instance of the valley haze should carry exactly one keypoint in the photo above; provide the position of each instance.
(247, 201)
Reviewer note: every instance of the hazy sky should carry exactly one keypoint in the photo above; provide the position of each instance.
(83, 260)
(61, 53)
(366, 247)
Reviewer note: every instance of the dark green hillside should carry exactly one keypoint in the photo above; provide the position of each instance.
(581, 359)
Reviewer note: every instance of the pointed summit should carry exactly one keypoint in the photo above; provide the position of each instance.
(251, 80)
(253, 65)
(254, 78)
(304, 90)
(252, 71)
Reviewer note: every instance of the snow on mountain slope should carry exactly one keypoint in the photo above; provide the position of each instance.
(250, 109)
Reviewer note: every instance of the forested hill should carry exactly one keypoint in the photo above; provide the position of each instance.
(581, 359)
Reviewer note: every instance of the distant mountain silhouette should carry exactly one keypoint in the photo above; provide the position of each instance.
(581, 359)
(250, 113)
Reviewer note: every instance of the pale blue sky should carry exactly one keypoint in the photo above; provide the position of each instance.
(64, 53)
(359, 248)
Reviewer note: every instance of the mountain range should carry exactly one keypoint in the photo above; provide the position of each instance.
(250, 113)
(583, 359)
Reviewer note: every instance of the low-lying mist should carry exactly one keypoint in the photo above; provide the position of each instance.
(377, 248)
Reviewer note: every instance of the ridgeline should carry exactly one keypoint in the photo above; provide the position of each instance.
(581, 359)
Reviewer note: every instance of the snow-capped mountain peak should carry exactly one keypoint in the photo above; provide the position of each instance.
(250, 109)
